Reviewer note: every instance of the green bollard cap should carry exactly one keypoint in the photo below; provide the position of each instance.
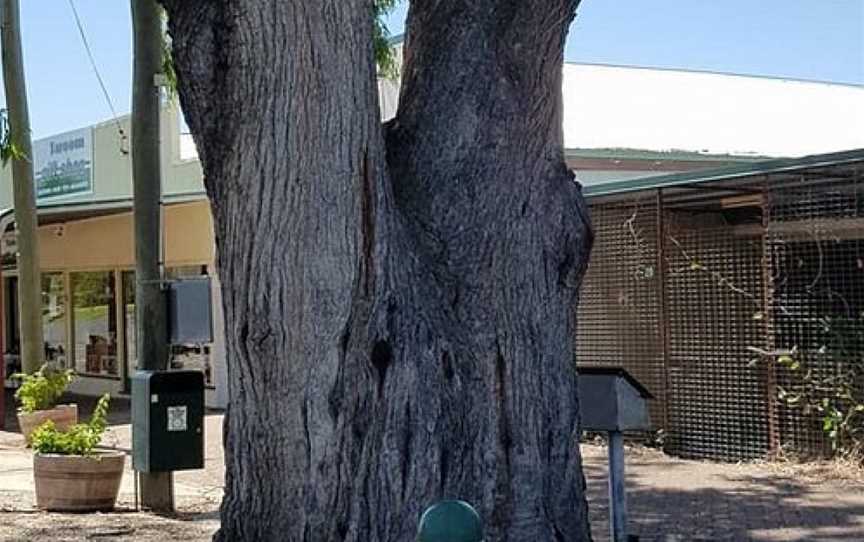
(450, 521)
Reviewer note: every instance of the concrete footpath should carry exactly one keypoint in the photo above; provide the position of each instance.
(16, 465)
(197, 493)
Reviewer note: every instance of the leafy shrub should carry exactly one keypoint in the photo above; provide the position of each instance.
(830, 381)
(41, 390)
(80, 439)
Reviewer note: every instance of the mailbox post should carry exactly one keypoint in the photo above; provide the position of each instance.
(611, 400)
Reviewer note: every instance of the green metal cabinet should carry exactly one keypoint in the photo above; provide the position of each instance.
(167, 420)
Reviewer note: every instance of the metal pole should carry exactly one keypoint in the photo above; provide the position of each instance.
(156, 488)
(768, 323)
(617, 493)
(24, 192)
(662, 302)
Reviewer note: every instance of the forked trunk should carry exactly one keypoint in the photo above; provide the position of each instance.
(399, 304)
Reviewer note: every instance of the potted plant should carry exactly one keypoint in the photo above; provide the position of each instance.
(71, 475)
(38, 395)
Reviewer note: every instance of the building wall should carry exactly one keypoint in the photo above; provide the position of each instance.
(112, 164)
(109, 241)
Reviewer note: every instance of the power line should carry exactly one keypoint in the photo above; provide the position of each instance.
(98, 75)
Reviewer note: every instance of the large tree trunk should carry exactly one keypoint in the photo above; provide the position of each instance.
(399, 316)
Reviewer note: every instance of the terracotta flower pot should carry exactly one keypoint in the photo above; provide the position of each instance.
(75, 483)
(63, 416)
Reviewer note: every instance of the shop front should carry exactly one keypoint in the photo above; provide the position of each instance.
(88, 292)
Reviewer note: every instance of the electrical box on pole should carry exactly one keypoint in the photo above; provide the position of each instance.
(190, 311)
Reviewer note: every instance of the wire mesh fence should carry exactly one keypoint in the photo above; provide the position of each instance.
(815, 238)
(717, 401)
(619, 314)
(743, 315)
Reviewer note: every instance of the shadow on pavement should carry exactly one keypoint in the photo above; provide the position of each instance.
(673, 501)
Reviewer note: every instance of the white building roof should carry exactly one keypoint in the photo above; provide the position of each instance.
(661, 109)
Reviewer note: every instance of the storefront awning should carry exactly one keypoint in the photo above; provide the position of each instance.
(60, 212)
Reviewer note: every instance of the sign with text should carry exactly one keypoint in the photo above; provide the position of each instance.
(63, 164)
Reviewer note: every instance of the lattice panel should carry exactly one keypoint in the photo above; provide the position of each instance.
(718, 399)
(729, 291)
(816, 242)
(618, 318)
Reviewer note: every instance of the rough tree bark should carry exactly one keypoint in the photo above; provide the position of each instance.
(399, 303)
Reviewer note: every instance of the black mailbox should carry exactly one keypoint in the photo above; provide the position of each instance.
(610, 399)
(167, 420)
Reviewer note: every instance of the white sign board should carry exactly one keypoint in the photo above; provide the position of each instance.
(63, 164)
(177, 418)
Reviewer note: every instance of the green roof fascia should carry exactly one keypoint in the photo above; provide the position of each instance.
(124, 202)
(622, 153)
(738, 171)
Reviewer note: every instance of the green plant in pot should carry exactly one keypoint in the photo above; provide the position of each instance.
(71, 474)
(38, 395)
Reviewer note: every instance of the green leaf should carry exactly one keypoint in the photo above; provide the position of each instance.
(385, 57)
(8, 149)
(41, 390)
(80, 439)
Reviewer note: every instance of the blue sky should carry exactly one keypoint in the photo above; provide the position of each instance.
(800, 39)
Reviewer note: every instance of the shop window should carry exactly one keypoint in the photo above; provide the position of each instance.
(13, 338)
(54, 317)
(188, 150)
(94, 316)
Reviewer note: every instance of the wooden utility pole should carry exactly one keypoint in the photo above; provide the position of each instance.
(157, 491)
(29, 276)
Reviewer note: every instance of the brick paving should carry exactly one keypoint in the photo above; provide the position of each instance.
(669, 499)
(677, 500)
